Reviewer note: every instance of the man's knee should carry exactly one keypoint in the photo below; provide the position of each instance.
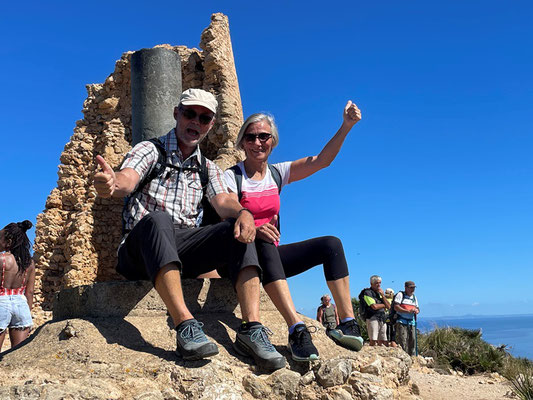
(160, 219)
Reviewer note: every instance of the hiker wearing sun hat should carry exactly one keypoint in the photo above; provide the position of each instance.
(406, 306)
(168, 184)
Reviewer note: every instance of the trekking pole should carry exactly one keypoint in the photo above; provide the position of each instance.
(416, 337)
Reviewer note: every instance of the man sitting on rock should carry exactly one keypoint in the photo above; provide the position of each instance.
(163, 242)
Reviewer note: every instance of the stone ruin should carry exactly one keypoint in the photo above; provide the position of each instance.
(77, 235)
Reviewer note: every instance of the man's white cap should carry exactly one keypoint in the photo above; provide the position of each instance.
(199, 97)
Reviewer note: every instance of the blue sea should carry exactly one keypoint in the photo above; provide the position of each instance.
(515, 331)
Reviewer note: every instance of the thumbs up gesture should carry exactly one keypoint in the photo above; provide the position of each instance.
(351, 114)
(104, 181)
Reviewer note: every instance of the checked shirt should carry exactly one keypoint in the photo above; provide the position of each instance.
(177, 193)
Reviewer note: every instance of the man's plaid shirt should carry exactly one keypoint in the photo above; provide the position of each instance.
(177, 193)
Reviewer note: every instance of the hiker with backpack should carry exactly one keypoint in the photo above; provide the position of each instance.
(373, 304)
(162, 241)
(406, 307)
(256, 184)
(326, 313)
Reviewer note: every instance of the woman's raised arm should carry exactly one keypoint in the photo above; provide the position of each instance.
(307, 166)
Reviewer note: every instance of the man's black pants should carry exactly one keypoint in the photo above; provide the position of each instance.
(155, 242)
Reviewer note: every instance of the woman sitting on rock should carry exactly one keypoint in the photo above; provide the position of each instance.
(17, 282)
(256, 184)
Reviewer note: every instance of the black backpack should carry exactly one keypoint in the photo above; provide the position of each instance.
(209, 215)
(276, 175)
(363, 307)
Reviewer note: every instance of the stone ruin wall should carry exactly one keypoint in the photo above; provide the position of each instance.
(77, 235)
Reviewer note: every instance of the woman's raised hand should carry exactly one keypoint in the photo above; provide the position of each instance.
(351, 114)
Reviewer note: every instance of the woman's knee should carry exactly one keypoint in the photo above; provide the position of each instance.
(333, 244)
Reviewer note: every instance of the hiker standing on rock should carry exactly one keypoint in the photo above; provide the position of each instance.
(162, 241)
(375, 304)
(256, 184)
(327, 313)
(17, 282)
(406, 305)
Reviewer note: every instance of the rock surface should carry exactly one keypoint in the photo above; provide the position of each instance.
(133, 356)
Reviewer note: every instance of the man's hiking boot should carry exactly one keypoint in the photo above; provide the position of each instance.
(347, 335)
(253, 341)
(192, 344)
(301, 346)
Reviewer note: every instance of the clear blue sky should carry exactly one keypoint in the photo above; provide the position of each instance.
(433, 185)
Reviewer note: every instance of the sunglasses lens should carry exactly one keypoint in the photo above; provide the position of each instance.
(191, 114)
(263, 137)
(188, 113)
(205, 119)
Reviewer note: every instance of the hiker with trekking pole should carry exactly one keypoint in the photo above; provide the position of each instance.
(406, 306)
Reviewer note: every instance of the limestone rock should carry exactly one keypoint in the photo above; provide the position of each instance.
(373, 368)
(128, 351)
(333, 372)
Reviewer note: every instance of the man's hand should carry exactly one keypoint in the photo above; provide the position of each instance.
(104, 182)
(244, 229)
(380, 291)
(352, 114)
(416, 311)
(268, 232)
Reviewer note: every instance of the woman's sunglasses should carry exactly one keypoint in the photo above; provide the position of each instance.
(189, 113)
(251, 137)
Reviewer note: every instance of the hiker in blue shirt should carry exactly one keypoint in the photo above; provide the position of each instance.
(406, 306)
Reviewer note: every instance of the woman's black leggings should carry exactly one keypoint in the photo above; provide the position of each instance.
(292, 259)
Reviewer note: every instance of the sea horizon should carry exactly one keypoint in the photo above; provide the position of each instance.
(515, 331)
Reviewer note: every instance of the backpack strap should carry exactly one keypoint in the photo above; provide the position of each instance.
(238, 180)
(204, 174)
(158, 168)
(276, 175)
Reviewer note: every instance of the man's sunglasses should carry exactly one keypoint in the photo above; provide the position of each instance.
(251, 137)
(189, 113)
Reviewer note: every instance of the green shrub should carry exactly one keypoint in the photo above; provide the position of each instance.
(462, 350)
(519, 371)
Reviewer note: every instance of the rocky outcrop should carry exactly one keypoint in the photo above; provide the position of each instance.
(127, 352)
(77, 234)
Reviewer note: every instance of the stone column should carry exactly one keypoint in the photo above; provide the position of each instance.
(155, 91)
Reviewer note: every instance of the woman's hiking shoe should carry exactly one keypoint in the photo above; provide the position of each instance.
(192, 344)
(301, 346)
(252, 340)
(347, 335)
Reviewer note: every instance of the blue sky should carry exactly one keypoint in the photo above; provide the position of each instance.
(433, 185)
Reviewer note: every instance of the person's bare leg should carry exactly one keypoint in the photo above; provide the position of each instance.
(248, 292)
(18, 335)
(168, 286)
(279, 293)
(340, 289)
(2, 337)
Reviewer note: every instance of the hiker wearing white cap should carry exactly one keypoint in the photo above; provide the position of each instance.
(169, 184)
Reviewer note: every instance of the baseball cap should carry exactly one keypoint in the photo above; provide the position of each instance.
(409, 283)
(199, 97)
(389, 291)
